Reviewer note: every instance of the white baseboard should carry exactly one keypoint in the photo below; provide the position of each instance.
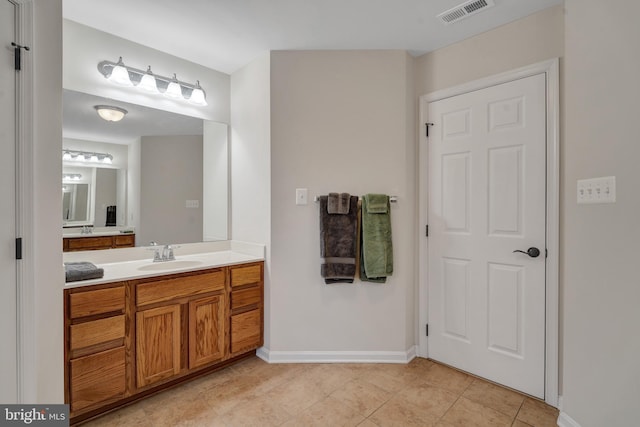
(336, 356)
(565, 420)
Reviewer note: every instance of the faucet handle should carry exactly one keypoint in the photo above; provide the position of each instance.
(168, 253)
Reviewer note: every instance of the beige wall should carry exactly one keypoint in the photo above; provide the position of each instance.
(170, 174)
(339, 123)
(533, 39)
(600, 242)
(105, 194)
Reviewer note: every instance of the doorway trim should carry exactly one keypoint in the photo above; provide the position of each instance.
(551, 69)
(26, 322)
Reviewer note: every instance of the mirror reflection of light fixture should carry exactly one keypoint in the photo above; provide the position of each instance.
(71, 177)
(171, 87)
(110, 113)
(86, 156)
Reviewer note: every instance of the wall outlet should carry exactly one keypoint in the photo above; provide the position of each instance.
(192, 204)
(597, 190)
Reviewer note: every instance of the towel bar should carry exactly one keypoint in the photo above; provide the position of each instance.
(392, 199)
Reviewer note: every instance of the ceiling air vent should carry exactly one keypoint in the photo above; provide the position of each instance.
(464, 10)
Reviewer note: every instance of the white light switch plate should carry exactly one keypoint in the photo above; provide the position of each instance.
(597, 190)
(301, 196)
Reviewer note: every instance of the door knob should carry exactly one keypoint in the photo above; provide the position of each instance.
(532, 252)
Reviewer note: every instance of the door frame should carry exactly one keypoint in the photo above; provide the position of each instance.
(26, 321)
(551, 70)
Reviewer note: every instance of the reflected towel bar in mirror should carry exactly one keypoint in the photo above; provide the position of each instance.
(392, 199)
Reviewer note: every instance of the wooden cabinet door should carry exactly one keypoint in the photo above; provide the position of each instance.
(246, 331)
(157, 344)
(206, 330)
(97, 378)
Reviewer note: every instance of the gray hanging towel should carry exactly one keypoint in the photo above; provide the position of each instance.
(376, 258)
(338, 240)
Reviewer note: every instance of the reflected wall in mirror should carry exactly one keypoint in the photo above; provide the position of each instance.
(75, 203)
(168, 178)
(89, 192)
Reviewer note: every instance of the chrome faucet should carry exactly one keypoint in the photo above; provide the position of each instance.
(162, 254)
(86, 229)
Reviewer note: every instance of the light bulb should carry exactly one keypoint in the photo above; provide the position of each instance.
(107, 159)
(93, 158)
(120, 75)
(174, 90)
(148, 82)
(66, 156)
(197, 95)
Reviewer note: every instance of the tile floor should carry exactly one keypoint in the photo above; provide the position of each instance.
(255, 393)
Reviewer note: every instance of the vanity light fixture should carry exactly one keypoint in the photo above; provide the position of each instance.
(170, 87)
(119, 74)
(174, 90)
(71, 177)
(86, 156)
(110, 113)
(148, 82)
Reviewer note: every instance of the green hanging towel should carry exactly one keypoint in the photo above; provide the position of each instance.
(376, 260)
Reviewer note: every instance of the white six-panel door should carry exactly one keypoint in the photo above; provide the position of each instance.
(486, 172)
(8, 322)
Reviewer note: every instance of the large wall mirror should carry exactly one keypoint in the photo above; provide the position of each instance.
(166, 178)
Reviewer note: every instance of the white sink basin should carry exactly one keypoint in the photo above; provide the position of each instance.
(170, 265)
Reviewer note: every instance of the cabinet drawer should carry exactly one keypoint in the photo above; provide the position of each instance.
(97, 332)
(89, 243)
(126, 240)
(179, 287)
(246, 297)
(246, 275)
(96, 302)
(246, 331)
(97, 378)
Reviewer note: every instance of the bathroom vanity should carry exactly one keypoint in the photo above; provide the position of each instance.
(164, 325)
(90, 242)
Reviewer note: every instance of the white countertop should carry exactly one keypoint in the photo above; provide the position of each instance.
(76, 232)
(135, 263)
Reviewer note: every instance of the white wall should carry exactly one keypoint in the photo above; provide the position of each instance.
(133, 186)
(339, 123)
(170, 174)
(600, 242)
(85, 47)
(250, 164)
(215, 177)
(44, 364)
